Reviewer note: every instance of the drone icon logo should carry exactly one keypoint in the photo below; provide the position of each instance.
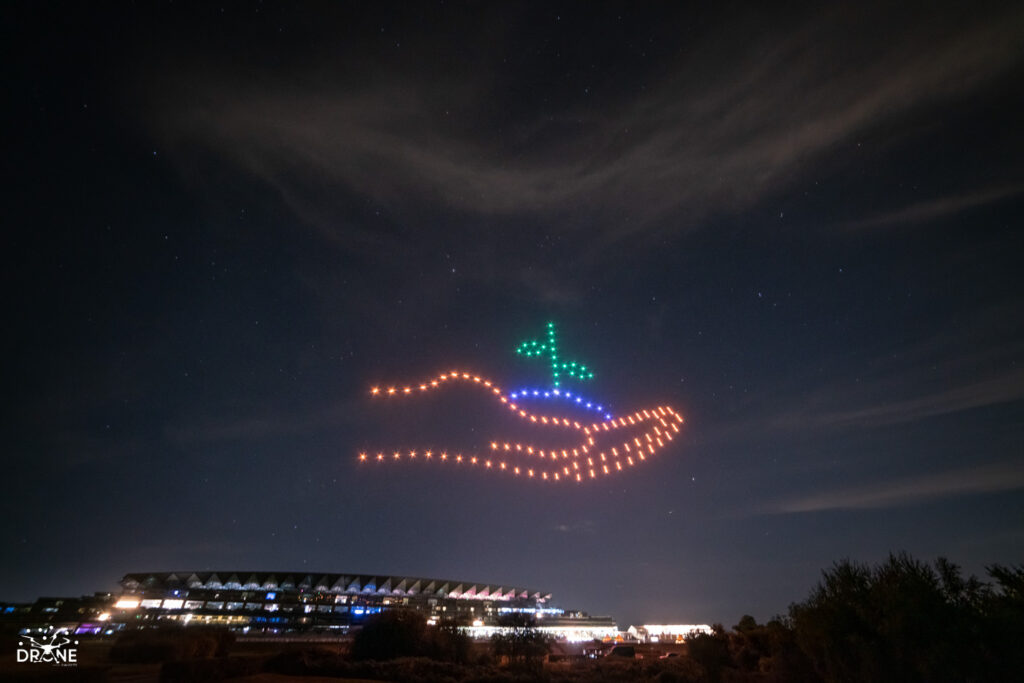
(59, 650)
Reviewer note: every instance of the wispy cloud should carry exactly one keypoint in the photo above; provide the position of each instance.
(969, 365)
(934, 209)
(994, 390)
(686, 147)
(994, 478)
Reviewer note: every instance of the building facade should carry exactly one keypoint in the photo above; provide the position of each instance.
(279, 603)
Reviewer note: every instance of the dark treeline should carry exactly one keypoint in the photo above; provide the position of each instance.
(399, 633)
(902, 620)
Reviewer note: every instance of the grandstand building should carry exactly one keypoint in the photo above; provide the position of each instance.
(275, 603)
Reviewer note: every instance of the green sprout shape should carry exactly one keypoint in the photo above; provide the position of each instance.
(573, 369)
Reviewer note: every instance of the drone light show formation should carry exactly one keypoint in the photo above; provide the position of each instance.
(549, 347)
(571, 451)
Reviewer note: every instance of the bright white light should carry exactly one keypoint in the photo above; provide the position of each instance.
(572, 634)
(653, 632)
(126, 603)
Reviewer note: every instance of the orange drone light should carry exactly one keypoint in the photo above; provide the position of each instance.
(585, 452)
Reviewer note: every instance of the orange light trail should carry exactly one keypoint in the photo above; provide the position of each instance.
(664, 416)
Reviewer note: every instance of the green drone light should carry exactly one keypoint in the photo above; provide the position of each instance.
(534, 348)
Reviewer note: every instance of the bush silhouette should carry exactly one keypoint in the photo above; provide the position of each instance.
(905, 621)
(404, 633)
(171, 643)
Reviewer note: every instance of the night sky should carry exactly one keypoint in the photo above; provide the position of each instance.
(800, 227)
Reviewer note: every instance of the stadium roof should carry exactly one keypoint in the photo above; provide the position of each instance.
(330, 583)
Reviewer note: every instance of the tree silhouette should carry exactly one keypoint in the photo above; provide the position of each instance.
(521, 641)
(405, 633)
(711, 651)
(905, 621)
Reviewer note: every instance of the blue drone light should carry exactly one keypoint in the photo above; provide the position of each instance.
(560, 394)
